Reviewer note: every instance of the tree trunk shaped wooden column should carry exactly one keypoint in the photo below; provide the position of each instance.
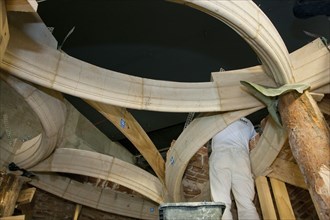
(309, 141)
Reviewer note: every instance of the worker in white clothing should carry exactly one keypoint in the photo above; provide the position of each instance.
(230, 169)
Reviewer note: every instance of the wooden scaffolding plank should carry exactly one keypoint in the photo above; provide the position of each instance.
(265, 198)
(282, 199)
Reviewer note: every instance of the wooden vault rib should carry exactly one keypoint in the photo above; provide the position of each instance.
(196, 134)
(102, 199)
(51, 111)
(104, 167)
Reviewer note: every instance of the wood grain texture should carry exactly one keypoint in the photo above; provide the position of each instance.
(22, 5)
(126, 123)
(102, 199)
(195, 135)
(282, 199)
(105, 167)
(4, 30)
(265, 198)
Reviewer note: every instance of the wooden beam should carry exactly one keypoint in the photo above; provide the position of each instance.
(309, 141)
(105, 167)
(265, 198)
(4, 31)
(282, 199)
(126, 123)
(77, 212)
(288, 172)
(10, 188)
(26, 195)
(16, 217)
(22, 5)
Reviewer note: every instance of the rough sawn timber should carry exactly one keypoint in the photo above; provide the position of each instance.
(310, 145)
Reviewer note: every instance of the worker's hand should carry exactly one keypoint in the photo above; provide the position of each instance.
(253, 142)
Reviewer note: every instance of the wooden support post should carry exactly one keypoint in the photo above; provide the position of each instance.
(4, 31)
(282, 199)
(265, 198)
(309, 141)
(77, 212)
(10, 187)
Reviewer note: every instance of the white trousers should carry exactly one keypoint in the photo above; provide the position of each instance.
(230, 169)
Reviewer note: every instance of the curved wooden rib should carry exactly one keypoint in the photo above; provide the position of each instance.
(52, 114)
(247, 19)
(64, 73)
(104, 167)
(102, 199)
(196, 134)
(268, 147)
(127, 124)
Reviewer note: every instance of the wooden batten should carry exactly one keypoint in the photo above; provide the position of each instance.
(16, 217)
(22, 5)
(265, 198)
(126, 123)
(4, 31)
(282, 199)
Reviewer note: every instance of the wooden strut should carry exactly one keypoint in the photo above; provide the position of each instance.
(309, 142)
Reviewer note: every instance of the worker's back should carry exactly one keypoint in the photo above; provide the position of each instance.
(237, 134)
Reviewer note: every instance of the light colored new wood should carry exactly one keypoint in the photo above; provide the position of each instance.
(77, 212)
(51, 111)
(16, 217)
(106, 200)
(104, 167)
(282, 199)
(196, 134)
(127, 124)
(61, 72)
(288, 172)
(265, 198)
(22, 5)
(268, 147)
(26, 195)
(4, 31)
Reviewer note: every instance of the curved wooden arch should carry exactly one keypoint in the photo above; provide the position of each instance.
(105, 167)
(69, 75)
(51, 113)
(102, 199)
(196, 134)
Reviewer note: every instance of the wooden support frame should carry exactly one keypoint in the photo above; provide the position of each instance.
(127, 124)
